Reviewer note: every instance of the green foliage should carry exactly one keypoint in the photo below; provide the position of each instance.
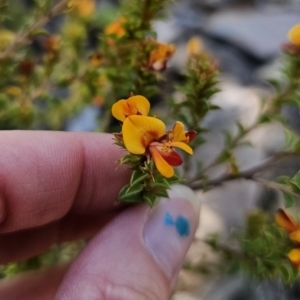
(31, 77)
(261, 251)
(289, 200)
(140, 15)
(55, 255)
(292, 188)
(146, 183)
(198, 88)
(292, 141)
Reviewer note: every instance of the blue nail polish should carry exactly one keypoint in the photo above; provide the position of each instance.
(168, 219)
(181, 224)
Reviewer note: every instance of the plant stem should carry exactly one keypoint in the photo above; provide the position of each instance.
(247, 174)
(276, 186)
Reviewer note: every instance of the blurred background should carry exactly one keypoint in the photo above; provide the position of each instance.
(245, 37)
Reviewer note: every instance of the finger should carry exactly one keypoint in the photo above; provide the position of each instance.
(138, 255)
(46, 175)
(21, 245)
(34, 285)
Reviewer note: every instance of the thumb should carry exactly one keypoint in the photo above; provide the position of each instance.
(138, 255)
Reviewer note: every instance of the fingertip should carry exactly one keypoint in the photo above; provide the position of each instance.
(170, 228)
(139, 253)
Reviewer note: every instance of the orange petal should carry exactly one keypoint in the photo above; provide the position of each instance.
(139, 103)
(140, 131)
(160, 55)
(135, 105)
(182, 146)
(294, 256)
(295, 236)
(116, 28)
(169, 50)
(294, 35)
(120, 110)
(285, 221)
(162, 166)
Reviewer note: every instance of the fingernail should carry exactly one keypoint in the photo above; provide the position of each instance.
(170, 228)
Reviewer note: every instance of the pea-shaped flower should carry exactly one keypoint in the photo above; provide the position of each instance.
(147, 135)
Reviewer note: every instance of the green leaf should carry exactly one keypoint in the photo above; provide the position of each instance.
(161, 193)
(297, 147)
(137, 177)
(173, 180)
(286, 272)
(160, 185)
(294, 186)
(294, 101)
(289, 200)
(165, 181)
(291, 140)
(241, 128)
(130, 159)
(149, 198)
(282, 179)
(123, 190)
(224, 156)
(183, 118)
(133, 192)
(228, 138)
(265, 119)
(296, 179)
(275, 83)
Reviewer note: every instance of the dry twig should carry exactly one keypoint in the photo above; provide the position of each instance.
(247, 174)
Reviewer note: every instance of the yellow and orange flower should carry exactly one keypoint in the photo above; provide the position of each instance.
(135, 105)
(143, 135)
(116, 28)
(290, 226)
(194, 46)
(294, 35)
(294, 257)
(160, 55)
(82, 8)
(293, 46)
(286, 222)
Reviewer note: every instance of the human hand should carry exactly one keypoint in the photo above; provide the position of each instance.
(56, 187)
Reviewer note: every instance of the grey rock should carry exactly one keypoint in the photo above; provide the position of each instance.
(87, 120)
(257, 33)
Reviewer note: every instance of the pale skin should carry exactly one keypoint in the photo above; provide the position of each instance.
(57, 187)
